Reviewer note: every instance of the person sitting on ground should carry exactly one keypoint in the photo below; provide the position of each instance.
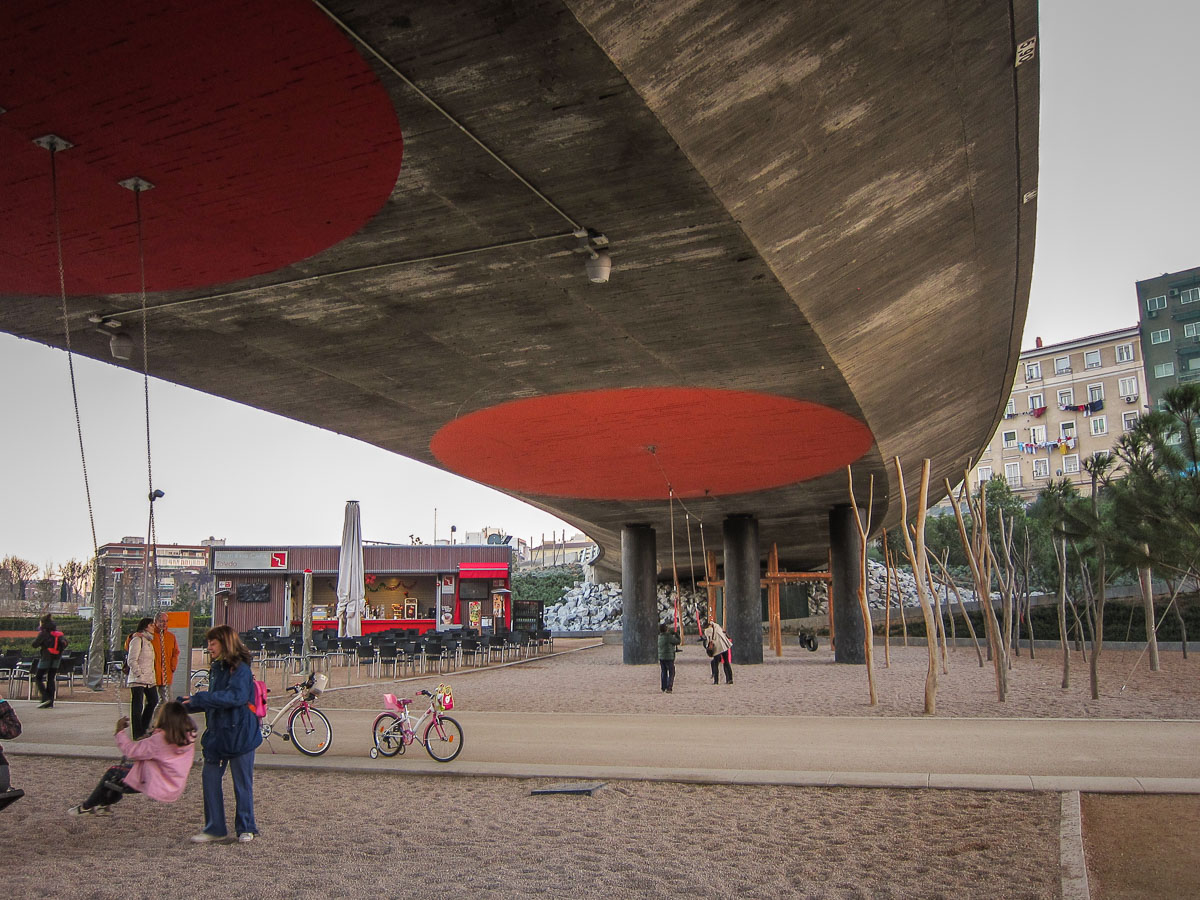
(157, 766)
(667, 642)
(719, 647)
(10, 727)
(139, 657)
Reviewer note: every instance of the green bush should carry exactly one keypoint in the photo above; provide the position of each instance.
(79, 631)
(547, 585)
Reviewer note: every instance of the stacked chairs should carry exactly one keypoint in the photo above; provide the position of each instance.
(472, 649)
(22, 673)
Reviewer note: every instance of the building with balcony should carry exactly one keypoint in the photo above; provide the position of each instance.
(1069, 401)
(1169, 320)
(123, 564)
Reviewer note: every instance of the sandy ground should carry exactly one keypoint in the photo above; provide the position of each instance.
(325, 834)
(636, 839)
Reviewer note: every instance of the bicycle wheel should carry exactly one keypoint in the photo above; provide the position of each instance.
(310, 731)
(386, 732)
(448, 744)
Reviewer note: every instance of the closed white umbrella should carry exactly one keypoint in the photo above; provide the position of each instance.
(351, 588)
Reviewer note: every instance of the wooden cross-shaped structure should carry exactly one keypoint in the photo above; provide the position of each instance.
(772, 580)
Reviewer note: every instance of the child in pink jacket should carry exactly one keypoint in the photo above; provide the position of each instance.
(156, 766)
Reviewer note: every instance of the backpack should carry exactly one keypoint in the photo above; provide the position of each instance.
(258, 703)
(59, 645)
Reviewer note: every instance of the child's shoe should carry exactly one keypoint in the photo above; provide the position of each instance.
(82, 810)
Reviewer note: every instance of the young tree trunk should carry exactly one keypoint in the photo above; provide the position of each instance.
(977, 558)
(1061, 557)
(937, 614)
(916, 556)
(863, 606)
(1179, 618)
(887, 607)
(970, 628)
(1148, 610)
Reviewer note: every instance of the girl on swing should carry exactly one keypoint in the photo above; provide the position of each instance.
(157, 766)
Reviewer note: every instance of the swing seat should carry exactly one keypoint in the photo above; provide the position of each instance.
(9, 797)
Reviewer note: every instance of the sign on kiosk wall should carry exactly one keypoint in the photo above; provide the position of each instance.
(248, 560)
(179, 623)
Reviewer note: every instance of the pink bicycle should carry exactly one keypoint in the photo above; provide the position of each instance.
(395, 729)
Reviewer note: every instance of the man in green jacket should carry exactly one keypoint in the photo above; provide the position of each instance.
(667, 642)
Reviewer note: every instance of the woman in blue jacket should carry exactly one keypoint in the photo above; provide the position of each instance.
(231, 736)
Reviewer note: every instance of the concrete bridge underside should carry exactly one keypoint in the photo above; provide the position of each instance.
(820, 216)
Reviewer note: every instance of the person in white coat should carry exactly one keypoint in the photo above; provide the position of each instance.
(718, 646)
(139, 657)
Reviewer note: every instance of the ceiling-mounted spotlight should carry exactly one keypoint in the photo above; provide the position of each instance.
(121, 345)
(598, 265)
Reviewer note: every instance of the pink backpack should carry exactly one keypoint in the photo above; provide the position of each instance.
(258, 705)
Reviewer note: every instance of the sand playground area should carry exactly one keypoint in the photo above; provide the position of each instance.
(339, 832)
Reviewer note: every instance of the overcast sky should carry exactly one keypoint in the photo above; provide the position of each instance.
(1117, 195)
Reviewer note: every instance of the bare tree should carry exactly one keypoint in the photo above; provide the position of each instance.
(19, 573)
(916, 556)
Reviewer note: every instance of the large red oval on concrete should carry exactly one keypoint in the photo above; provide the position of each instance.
(268, 137)
(596, 444)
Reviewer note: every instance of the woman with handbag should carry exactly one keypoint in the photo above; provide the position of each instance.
(139, 657)
(718, 645)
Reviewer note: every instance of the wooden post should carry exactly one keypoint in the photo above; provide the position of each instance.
(710, 570)
(774, 626)
(887, 608)
(829, 600)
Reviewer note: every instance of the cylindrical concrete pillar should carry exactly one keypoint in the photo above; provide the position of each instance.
(743, 587)
(639, 595)
(844, 541)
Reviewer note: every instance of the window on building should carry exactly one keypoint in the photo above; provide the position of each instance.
(1127, 387)
(1159, 302)
(1191, 329)
(1128, 421)
(1037, 401)
(1066, 430)
(1095, 392)
(1041, 468)
(1164, 370)
(1012, 474)
(1011, 408)
(1124, 353)
(1010, 438)
(1091, 359)
(984, 473)
(1071, 464)
(1161, 336)
(1033, 371)
(1174, 438)
(1037, 434)
(1099, 424)
(1062, 365)
(1191, 295)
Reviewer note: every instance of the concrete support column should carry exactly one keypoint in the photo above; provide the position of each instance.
(743, 585)
(639, 595)
(848, 630)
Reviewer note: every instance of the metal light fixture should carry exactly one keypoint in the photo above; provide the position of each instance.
(598, 265)
(120, 345)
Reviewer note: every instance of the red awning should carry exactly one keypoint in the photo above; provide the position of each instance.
(482, 570)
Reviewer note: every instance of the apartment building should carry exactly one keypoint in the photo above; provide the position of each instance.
(1169, 320)
(1069, 401)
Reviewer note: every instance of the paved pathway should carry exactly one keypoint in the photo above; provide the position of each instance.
(1017, 754)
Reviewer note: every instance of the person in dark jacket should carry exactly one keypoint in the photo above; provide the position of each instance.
(230, 738)
(52, 643)
(10, 727)
(667, 642)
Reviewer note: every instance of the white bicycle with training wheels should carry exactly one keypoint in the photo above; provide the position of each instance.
(395, 729)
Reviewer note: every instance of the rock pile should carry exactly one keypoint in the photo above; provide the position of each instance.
(597, 607)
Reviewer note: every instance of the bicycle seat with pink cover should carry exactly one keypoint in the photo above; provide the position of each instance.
(391, 701)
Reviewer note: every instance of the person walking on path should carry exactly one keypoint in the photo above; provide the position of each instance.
(667, 642)
(230, 738)
(719, 647)
(166, 657)
(51, 642)
(139, 657)
(157, 766)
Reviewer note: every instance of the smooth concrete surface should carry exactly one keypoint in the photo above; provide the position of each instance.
(980, 754)
(743, 594)
(844, 545)
(639, 592)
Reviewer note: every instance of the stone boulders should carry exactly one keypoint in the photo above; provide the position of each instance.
(597, 607)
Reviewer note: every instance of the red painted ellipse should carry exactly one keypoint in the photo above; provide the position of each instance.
(597, 444)
(267, 136)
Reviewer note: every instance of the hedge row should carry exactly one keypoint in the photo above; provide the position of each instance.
(1122, 622)
(79, 631)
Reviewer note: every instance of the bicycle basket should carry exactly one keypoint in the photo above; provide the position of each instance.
(318, 685)
(443, 697)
